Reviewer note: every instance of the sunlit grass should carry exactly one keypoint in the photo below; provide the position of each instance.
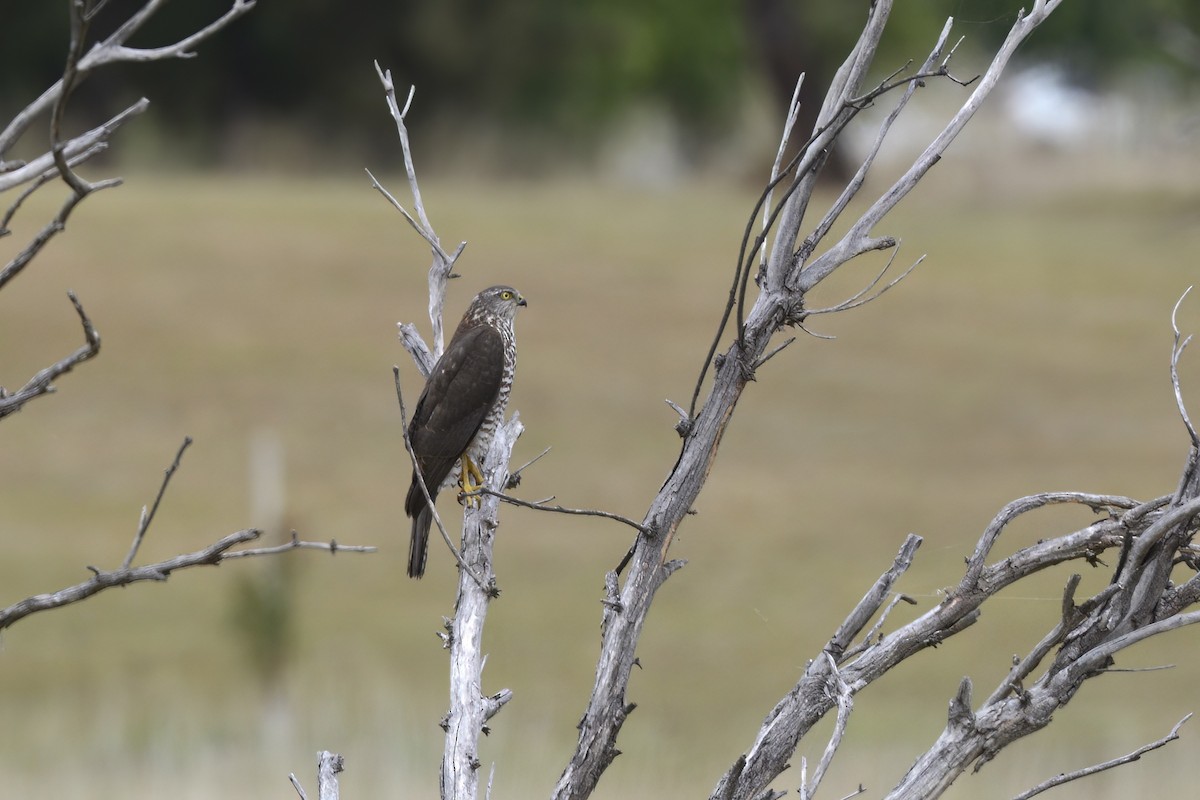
(1028, 353)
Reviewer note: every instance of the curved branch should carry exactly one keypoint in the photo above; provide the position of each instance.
(43, 382)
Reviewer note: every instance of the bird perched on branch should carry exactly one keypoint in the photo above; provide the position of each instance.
(462, 403)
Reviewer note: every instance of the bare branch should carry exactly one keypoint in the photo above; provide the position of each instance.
(779, 303)
(469, 710)
(862, 297)
(416, 226)
(43, 179)
(72, 149)
(100, 580)
(416, 347)
(42, 383)
(112, 50)
(776, 173)
(328, 766)
(514, 478)
(871, 602)
(1024, 505)
(857, 239)
(442, 268)
(212, 555)
(1059, 780)
(296, 543)
(856, 182)
(844, 698)
(1176, 352)
(148, 516)
(541, 505)
(80, 23)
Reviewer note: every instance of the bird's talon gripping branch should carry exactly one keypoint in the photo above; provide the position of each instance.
(471, 481)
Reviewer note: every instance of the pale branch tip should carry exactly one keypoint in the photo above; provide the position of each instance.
(683, 425)
(442, 268)
(1179, 345)
(802, 168)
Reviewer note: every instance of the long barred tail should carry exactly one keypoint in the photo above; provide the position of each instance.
(418, 545)
(422, 517)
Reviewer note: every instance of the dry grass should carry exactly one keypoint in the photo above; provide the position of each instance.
(1028, 353)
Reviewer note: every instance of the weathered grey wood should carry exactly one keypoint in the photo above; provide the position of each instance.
(466, 720)
(780, 301)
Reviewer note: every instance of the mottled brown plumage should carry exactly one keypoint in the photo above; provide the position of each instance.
(462, 403)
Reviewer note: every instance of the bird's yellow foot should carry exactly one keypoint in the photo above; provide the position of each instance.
(470, 472)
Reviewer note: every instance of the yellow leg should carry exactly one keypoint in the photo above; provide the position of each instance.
(470, 472)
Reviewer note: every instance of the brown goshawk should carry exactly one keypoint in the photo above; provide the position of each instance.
(462, 403)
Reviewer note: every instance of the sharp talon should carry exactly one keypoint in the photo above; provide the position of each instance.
(471, 480)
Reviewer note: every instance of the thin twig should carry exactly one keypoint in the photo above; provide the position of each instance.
(514, 477)
(42, 383)
(788, 125)
(1177, 352)
(296, 785)
(773, 352)
(442, 268)
(43, 179)
(874, 630)
(801, 165)
(862, 297)
(148, 516)
(113, 50)
(296, 543)
(541, 506)
(844, 698)
(857, 181)
(100, 580)
(212, 555)
(425, 233)
(1059, 780)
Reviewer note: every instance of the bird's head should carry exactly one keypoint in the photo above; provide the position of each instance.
(502, 301)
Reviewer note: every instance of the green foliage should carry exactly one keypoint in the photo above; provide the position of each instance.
(262, 615)
(542, 70)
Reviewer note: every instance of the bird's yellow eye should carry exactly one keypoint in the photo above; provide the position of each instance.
(506, 295)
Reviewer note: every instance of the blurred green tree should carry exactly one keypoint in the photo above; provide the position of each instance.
(538, 72)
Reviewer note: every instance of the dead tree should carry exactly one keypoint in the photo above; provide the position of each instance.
(58, 166)
(786, 256)
(65, 153)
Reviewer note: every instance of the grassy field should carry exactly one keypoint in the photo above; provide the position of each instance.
(1028, 353)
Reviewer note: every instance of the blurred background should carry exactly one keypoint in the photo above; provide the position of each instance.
(603, 158)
